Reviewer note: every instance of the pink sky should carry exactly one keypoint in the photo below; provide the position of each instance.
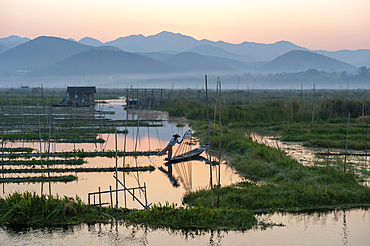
(314, 24)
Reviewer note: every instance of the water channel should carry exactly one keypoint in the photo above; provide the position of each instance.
(343, 227)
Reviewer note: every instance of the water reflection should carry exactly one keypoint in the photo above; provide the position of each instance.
(356, 160)
(341, 227)
(173, 180)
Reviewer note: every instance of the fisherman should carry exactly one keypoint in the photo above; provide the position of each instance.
(174, 140)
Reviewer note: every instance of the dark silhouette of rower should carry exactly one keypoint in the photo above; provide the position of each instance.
(174, 140)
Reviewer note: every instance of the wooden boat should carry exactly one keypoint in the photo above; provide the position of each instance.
(194, 158)
(190, 154)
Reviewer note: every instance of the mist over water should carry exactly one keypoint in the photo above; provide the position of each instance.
(230, 81)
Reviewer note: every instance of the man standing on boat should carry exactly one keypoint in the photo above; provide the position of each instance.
(174, 140)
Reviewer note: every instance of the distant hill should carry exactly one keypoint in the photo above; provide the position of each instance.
(38, 53)
(209, 50)
(363, 63)
(96, 61)
(3, 48)
(90, 41)
(176, 43)
(193, 62)
(349, 56)
(13, 41)
(298, 60)
(160, 42)
(237, 65)
(159, 56)
(257, 51)
(108, 48)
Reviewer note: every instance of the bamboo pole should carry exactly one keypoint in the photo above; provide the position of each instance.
(2, 135)
(116, 170)
(124, 148)
(302, 101)
(42, 174)
(138, 124)
(345, 152)
(363, 121)
(367, 125)
(111, 199)
(219, 148)
(214, 118)
(209, 145)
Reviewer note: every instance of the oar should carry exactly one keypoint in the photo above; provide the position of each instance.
(161, 151)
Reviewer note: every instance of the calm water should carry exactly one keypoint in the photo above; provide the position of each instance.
(333, 228)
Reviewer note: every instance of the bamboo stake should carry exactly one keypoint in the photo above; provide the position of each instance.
(219, 149)
(367, 125)
(42, 174)
(2, 135)
(209, 145)
(363, 121)
(116, 170)
(214, 118)
(302, 101)
(138, 123)
(345, 152)
(124, 147)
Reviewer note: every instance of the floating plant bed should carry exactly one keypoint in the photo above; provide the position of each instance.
(78, 170)
(11, 150)
(44, 162)
(81, 154)
(64, 179)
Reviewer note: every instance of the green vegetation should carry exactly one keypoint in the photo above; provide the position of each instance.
(193, 218)
(290, 113)
(30, 208)
(12, 150)
(64, 179)
(35, 162)
(80, 153)
(77, 169)
(277, 182)
(284, 184)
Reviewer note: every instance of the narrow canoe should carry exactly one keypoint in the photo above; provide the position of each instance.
(190, 154)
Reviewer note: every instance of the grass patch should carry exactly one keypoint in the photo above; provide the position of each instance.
(29, 208)
(64, 179)
(193, 218)
(284, 183)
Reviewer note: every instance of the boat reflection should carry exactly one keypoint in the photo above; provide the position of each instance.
(183, 170)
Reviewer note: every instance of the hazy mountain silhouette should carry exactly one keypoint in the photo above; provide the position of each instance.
(108, 48)
(193, 62)
(176, 43)
(209, 50)
(90, 41)
(258, 52)
(38, 53)
(159, 56)
(349, 56)
(99, 61)
(163, 41)
(363, 63)
(237, 65)
(50, 55)
(3, 48)
(298, 60)
(13, 41)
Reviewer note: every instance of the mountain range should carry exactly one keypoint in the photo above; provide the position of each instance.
(164, 52)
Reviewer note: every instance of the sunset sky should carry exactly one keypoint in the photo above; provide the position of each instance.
(314, 24)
